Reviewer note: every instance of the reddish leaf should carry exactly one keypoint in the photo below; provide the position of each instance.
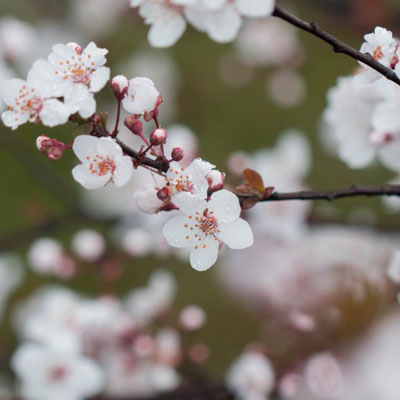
(254, 179)
(249, 203)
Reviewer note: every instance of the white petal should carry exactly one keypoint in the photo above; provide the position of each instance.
(177, 232)
(107, 146)
(10, 90)
(167, 31)
(123, 171)
(79, 98)
(225, 205)
(202, 258)
(237, 235)
(42, 76)
(89, 181)
(223, 26)
(389, 156)
(99, 78)
(13, 120)
(85, 145)
(54, 113)
(255, 8)
(142, 96)
(189, 204)
(96, 54)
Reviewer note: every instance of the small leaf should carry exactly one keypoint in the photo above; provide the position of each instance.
(249, 203)
(268, 192)
(254, 179)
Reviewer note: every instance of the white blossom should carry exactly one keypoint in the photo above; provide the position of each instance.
(142, 96)
(88, 244)
(251, 376)
(46, 374)
(102, 162)
(204, 225)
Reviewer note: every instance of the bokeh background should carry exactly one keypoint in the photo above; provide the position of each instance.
(230, 107)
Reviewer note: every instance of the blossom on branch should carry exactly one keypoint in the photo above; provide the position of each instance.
(102, 162)
(204, 225)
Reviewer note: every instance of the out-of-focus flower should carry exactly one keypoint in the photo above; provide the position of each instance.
(45, 254)
(251, 376)
(102, 162)
(11, 276)
(48, 374)
(204, 225)
(394, 267)
(192, 318)
(88, 245)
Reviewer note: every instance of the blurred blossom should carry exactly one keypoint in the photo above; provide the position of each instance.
(17, 38)
(268, 42)
(284, 167)
(286, 87)
(299, 281)
(147, 303)
(192, 318)
(46, 374)
(394, 267)
(324, 377)
(106, 13)
(45, 255)
(251, 377)
(361, 120)
(88, 245)
(11, 276)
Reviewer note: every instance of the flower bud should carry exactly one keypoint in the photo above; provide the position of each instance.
(163, 194)
(53, 148)
(120, 86)
(215, 180)
(177, 154)
(56, 152)
(43, 143)
(158, 136)
(134, 125)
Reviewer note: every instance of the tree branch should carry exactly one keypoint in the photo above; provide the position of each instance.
(337, 45)
(329, 195)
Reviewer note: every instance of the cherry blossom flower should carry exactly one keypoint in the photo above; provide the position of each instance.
(142, 96)
(32, 101)
(204, 225)
(251, 376)
(88, 245)
(166, 19)
(78, 74)
(102, 162)
(382, 46)
(47, 374)
(191, 181)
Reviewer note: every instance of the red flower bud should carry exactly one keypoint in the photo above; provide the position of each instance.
(134, 125)
(158, 136)
(177, 154)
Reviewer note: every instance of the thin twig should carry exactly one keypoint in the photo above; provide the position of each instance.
(329, 195)
(337, 45)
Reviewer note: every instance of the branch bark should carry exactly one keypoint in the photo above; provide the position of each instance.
(337, 45)
(329, 195)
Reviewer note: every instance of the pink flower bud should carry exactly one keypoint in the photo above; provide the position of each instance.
(120, 86)
(43, 143)
(134, 125)
(55, 152)
(177, 154)
(163, 194)
(158, 136)
(216, 180)
(192, 318)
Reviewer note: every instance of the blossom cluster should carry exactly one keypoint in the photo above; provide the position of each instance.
(75, 347)
(220, 19)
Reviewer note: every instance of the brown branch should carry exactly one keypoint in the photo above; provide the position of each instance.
(337, 45)
(329, 195)
(157, 164)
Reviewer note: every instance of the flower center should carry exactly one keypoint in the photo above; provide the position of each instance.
(101, 165)
(27, 102)
(208, 224)
(378, 54)
(76, 69)
(58, 373)
(179, 182)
